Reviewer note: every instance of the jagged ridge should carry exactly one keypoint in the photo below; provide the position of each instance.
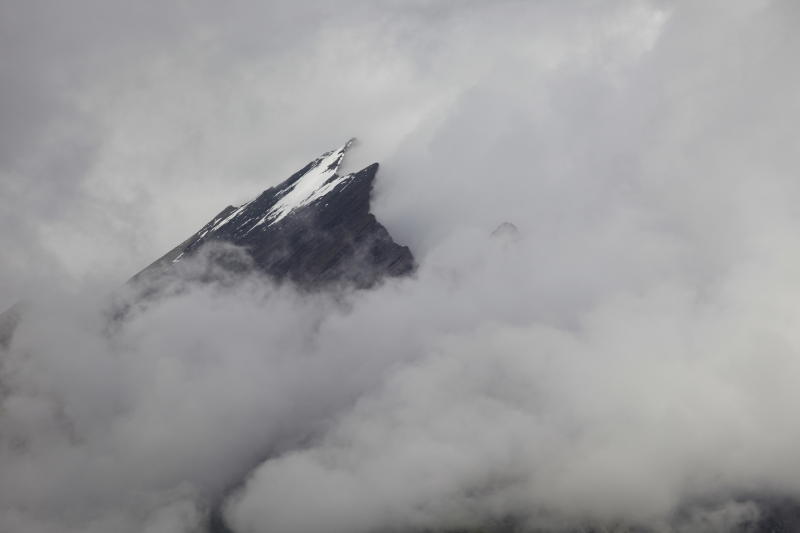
(314, 229)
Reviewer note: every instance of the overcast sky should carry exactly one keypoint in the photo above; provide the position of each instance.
(631, 353)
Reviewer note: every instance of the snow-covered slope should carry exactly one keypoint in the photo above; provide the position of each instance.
(314, 228)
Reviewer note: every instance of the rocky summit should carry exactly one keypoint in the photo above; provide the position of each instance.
(315, 229)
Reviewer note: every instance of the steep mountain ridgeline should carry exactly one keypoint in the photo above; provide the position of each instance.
(314, 229)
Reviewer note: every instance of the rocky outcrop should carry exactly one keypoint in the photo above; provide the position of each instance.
(314, 229)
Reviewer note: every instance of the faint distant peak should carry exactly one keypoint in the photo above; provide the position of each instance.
(507, 231)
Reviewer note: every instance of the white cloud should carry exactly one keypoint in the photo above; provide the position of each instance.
(628, 359)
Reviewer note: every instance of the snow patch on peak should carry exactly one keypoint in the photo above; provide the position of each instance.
(229, 217)
(318, 181)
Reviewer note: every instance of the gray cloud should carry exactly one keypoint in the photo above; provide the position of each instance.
(629, 359)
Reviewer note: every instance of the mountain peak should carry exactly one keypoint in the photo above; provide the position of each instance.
(313, 228)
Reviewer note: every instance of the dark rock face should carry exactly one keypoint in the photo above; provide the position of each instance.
(314, 229)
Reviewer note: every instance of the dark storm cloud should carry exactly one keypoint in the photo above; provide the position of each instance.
(629, 354)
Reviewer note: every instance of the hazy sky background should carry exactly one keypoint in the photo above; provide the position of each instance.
(631, 358)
